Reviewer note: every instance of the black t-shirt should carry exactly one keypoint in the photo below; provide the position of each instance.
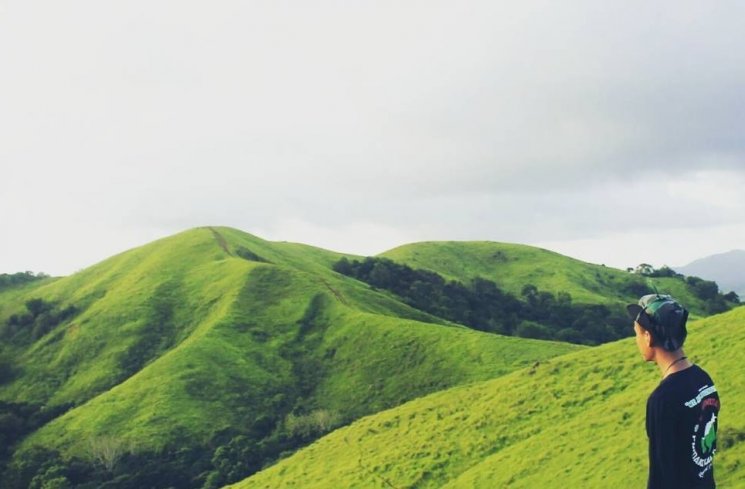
(682, 422)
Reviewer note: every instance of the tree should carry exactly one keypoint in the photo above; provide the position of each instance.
(344, 266)
(644, 269)
(569, 335)
(732, 297)
(238, 459)
(6, 369)
(106, 451)
(530, 293)
(381, 276)
(529, 329)
(37, 306)
(706, 289)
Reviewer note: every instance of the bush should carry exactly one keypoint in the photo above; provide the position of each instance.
(316, 422)
(10, 280)
(732, 297)
(6, 370)
(569, 335)
(41, 318)
(529, 329)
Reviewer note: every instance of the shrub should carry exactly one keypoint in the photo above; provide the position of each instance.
(529, 329)
(315, 422)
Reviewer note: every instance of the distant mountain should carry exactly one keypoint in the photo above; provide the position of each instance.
(726, 269)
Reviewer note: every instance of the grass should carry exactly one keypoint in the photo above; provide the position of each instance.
(571, 421)
(512, 266)
(212, 329)
(183, 338)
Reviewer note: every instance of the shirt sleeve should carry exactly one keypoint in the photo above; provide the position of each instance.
(661, 429)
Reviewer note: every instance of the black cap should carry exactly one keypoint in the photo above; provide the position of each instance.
(662, 316)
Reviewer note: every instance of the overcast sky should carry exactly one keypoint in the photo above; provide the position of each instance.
(613, 132)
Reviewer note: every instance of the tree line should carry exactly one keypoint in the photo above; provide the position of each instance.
(39, 319)
(706, 290)
(481, 304)
(12, 279)
(287, 418)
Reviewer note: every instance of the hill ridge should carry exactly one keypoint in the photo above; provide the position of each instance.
(183, 346)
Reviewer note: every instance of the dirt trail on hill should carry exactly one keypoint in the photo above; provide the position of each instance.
(336, 293)
(221, 241)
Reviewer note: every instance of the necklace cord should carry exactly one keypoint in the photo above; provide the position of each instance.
(673, 363)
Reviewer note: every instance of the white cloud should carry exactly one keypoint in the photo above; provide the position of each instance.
(718, 190)
(672, 247)
(332, 123)
(364, 238)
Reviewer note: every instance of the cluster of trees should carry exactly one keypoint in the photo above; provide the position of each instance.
(12, 279)
(482, 305)
(228, 457)
(292, 420)
(16, 421)
(706, 290)
(39, 319)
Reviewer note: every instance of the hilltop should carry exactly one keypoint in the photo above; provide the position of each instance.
(512, 266)
(571, 421)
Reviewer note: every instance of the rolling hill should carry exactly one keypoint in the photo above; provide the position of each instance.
(571, 421)
(196, 359)
(199, 359)
(512, 266)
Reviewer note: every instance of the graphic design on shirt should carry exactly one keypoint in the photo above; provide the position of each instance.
(710, 435)
(705, 391)
(704, 438)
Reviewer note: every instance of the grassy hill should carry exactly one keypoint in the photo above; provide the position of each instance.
(571, 421)
(175, 353)
(512, 266)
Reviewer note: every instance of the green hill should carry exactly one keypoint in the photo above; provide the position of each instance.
(194, 360)
(572, 421)
(512, 266)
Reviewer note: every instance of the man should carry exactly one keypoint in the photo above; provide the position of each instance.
(683, 411)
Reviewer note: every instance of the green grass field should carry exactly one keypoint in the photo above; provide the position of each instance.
(512, 266)
(181, 347)
(571, 421)
(184, 338)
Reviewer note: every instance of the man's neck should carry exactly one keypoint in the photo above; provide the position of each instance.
(670, 362)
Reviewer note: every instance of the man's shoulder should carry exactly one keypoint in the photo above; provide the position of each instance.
(683, 384)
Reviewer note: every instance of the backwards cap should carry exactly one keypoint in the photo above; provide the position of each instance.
(662, 316)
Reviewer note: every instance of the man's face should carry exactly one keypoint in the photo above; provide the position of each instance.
(644, 342)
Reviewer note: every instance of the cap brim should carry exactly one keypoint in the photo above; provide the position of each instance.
(634, 310)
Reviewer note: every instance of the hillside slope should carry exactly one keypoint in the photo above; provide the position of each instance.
(175, 350)
(572, 421)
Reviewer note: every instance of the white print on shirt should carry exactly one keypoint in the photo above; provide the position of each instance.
(697, 400)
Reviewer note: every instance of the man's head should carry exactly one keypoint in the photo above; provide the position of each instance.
(659, 322)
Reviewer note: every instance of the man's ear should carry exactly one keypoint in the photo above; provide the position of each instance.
(648, 339)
